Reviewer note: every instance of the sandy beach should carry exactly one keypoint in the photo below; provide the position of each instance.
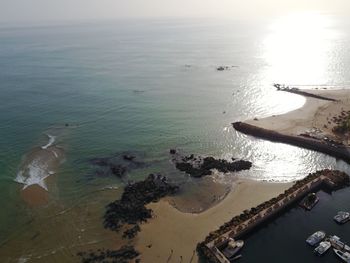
(172, 236)
(315, 114)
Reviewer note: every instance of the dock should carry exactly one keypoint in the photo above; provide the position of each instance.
(245, 223)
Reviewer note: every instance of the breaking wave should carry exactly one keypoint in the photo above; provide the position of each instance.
(51, 141)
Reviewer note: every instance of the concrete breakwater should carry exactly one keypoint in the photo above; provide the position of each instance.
(297, 91)
(243, 224)
(338, 151)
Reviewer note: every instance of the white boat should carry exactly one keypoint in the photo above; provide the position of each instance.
(315, 238)
(342, 217)
(345, 256)
(232, 248)
(337, 244)
(322, 248)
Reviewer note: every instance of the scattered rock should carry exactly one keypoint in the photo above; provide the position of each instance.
(131, 232)
(128, 157)
(118, 165)
(123, 255)
(118, 170)
(172, 151)
(131, 208)
(199, 166)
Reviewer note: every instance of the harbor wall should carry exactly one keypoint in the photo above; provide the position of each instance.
(337, 151)
(243, 224)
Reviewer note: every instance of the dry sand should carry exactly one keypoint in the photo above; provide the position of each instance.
(173, 235)
(313, 114)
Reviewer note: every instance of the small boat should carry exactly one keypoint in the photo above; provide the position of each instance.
(309, 201)
(345, 256)
(337, 244)
(342, 217)
(232, 248)
(315, 238)
(322, 248)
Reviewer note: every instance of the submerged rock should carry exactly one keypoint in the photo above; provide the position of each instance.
(118, 165)
(131, 208)
(123, 255)
(199, 166)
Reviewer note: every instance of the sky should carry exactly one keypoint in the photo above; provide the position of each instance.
(12, 11)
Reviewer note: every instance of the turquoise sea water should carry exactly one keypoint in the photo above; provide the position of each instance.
(148, 86)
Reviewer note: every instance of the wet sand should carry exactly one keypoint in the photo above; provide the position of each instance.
(36, 171)
(172, 235)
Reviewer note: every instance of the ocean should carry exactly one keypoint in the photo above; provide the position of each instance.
(99, 89)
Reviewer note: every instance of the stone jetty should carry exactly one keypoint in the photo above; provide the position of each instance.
(245, 223)
(327, 147)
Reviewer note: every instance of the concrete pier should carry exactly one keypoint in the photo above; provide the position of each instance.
(245, 223)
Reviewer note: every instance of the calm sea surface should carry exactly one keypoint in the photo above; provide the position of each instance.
(146, 87)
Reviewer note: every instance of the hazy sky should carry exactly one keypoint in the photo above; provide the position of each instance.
(56, 10)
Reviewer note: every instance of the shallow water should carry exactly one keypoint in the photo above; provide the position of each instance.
(148, 86)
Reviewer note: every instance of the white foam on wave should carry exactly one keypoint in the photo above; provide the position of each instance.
(36, 173)
(51, 141)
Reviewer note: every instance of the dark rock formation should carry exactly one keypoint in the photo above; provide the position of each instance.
(131, 232)
(123, 255)
(128, 157)
(131, 209)
(118, 165)
(199, 167)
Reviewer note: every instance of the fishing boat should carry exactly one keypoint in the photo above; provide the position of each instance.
(337, 244)
(323, 248)
(345, 256)
(309, 201)
(342, 217)
(232, 248)
(315, 238)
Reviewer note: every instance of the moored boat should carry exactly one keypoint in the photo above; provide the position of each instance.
(232, 248)
(342, 217)
(345, 256)
(315, 238)
(337, 244)
(323, 248)
(309, 201)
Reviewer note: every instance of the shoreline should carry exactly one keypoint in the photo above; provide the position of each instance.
(311, 126)
(172, 236)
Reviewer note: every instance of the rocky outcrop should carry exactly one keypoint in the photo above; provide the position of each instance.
(131, 208)
(123, 255)
(202, 166)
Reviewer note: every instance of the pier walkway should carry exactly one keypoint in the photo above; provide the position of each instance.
(253, 221)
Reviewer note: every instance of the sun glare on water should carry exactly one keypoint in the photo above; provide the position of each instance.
(299, 48)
